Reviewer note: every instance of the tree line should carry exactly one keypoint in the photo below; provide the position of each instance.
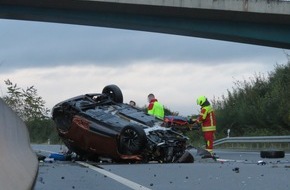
(259, 106)
(30, 107)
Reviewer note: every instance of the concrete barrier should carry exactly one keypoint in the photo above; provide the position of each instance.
(18, 163)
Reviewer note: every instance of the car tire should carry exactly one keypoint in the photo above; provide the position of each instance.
(272, 154)
(114, 92)
(132, 140)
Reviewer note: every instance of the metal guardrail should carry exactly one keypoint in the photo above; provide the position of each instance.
(253, 139)
(254, 143)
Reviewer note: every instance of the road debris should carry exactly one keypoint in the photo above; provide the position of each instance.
(261, 162)
(236, 169)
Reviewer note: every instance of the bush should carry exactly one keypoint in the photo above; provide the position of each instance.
(256, 107)
(42, 130)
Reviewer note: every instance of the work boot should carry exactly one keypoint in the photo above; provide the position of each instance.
(211, 155)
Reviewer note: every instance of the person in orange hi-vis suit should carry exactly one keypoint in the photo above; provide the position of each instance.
(208, 122)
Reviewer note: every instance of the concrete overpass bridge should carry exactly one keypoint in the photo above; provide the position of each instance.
(261, 22)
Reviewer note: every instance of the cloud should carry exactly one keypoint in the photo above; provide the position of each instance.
(175, 85)
(35, 44)
(64, 60)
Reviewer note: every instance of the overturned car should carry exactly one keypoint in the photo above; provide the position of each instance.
(100, 125)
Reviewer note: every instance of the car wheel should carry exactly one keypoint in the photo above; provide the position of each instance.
(114, 92)
(272, 154)
(132, 140)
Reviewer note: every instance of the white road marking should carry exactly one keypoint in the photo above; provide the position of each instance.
(228, 160)
(115, 177)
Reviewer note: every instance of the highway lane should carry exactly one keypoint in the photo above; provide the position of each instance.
(235, 170)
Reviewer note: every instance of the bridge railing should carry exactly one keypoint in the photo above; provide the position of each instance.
(254, 143)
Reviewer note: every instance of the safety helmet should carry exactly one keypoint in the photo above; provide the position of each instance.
(200, 100)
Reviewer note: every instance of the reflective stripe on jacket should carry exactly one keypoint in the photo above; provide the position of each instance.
(156, 109)
(207, 119)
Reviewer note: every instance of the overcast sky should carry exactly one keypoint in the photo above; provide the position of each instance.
(63, 61)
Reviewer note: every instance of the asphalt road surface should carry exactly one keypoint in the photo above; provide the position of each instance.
(233, 170)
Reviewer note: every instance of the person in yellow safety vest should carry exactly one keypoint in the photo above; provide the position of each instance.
(208, 122)
(155, 108)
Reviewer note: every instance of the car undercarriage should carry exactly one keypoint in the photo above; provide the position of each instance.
(100, 125)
